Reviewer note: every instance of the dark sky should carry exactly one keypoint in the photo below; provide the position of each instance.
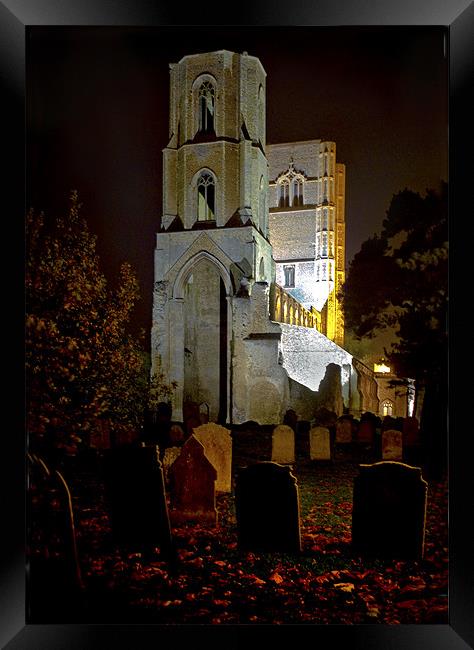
(97, 119)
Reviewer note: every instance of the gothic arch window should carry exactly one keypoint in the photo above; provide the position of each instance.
(206, 107)
(283, 193)
(387, 407)
(261, 270)
(290, 188)
(206, 197)
(297, 191)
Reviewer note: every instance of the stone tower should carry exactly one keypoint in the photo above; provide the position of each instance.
(307, 227)
(213, 245)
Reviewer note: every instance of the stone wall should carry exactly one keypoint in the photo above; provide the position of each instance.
(306, 353)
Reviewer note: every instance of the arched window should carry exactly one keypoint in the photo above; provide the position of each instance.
(206, 99)
(261, 270)
(297, 192)
(206, 199)
(387, 407)
(284, 194)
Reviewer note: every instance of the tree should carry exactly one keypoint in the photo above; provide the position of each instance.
(400, 279)
(83, 367)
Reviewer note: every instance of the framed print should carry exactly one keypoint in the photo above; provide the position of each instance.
(237, 172)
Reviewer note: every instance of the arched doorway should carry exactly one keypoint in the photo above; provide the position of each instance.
(205, 340)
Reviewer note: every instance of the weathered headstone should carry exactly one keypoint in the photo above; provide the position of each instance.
(389, 510)
(217, 443)
(192, 486)
(136, 495)
(283, 445)
(319, 444)
(267, 508)
(169, 456)
(176, 434)
(343, 431)
(392, 446)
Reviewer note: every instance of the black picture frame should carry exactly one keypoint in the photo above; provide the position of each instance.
(15, 16)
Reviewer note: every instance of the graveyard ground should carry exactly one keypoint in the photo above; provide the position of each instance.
(214, 583)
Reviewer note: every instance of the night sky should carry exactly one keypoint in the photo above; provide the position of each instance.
(97, 119)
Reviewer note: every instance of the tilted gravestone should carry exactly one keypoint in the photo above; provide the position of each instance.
(392, 445)
(389, 511)
(217, 443)
(283, 445)
(192, 480)
(136, 495)
(319, 444)
(267, 508)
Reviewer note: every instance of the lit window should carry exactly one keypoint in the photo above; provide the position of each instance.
(289, 272)
(206, 197)
(206, 107)
(387, 407)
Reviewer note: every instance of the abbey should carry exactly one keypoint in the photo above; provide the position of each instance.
(250, 254)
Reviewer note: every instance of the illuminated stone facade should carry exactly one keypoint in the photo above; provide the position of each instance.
(223, 325)
(307, 226)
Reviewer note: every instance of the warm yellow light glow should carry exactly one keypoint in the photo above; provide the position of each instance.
(381, 367)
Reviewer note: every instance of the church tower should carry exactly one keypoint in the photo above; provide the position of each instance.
(213, 244)
(307, 227)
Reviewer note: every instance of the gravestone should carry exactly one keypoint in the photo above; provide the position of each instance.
(192, 486)
(191, 417)
(136, 495)
(366, 431)
(411, 432)
(412, 448)
(291, 419)
(283, 445)
(267, 508)
(176, 435)
(217, 443)
(343, 431)
(392, 445)
(389, 511)
(204, 412)
(55, 586)
(169, 456)
(319, 444)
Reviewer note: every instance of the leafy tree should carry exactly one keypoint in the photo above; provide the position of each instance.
(83, 366)
(400, 279)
